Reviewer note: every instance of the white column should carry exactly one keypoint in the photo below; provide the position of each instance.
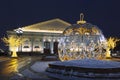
(42, 46)
(32, 43)
(51, 47)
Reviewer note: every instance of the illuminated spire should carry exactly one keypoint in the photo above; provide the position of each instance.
(81, 21)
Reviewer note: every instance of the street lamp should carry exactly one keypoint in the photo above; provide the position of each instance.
(19, 32)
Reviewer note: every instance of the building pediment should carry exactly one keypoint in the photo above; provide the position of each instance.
(50, 26)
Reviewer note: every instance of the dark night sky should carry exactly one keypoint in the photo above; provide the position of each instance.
(103, 13)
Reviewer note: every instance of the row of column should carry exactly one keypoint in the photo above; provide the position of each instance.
(30, 43)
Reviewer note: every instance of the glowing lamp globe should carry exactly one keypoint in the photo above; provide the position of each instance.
(82, 40)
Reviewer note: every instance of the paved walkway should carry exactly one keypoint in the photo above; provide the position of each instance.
(3, 58)
(35, 71)
(10, 66)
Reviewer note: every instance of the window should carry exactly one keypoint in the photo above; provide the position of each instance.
(36, 47)
(26, 46)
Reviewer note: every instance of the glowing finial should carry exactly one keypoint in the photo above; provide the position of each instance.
(81, 19)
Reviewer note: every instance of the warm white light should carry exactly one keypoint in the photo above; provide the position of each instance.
(49, 40)
(47, 31)
(44, 40)
(76, 49)
(71, 49)
(58, 40)
(53, 40)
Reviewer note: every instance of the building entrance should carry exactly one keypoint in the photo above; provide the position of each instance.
(47, 47)
(56, 47)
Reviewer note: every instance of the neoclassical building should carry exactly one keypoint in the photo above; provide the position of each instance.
(41, 37)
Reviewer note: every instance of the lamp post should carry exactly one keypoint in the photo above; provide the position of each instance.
(19, 33)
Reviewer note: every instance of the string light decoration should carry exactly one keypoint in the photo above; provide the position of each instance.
(111, 44)
(13, 42)
(82, 40)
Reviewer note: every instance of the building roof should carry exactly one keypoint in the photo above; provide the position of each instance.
(50, 26)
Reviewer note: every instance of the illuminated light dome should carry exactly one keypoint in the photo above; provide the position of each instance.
(82, 40)
(81, 45)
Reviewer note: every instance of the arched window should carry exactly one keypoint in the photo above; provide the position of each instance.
(26, 44)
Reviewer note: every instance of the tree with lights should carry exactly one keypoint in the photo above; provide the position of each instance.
(13, 42)
(111, 44)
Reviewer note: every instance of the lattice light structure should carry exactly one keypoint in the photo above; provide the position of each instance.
(82, 40)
